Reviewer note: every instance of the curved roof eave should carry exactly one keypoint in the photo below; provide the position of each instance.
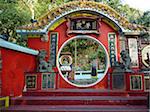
(84, 9)
(42, 31)
(56, 13)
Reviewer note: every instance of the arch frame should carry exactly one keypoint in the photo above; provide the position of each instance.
(107, 61)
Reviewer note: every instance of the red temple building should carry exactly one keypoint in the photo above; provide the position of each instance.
(81, 56)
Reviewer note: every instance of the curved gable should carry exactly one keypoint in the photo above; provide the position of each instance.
(45, 22)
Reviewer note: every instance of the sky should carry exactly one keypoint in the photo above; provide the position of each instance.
(143, 5)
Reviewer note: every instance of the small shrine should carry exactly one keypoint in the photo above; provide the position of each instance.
(78, 45)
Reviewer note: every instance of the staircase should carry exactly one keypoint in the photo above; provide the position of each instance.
(79, 100)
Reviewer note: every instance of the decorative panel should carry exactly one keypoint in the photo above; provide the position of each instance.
(53, 47)
(133, 52)
(136, 82)
(83, 25)
(118, 81)
(48, 80)
(31, 81)
(112, 48)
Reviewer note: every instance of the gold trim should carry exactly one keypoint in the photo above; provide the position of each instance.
(57, 11)
(34, 36)
(140, 81)
(56, 24)
(76, 14)
(69, 61)
(35, 82)
(6, 100)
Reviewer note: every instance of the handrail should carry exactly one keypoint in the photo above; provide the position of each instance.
(6, 101)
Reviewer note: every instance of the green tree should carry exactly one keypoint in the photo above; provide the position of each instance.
(144, 19)
(14, 13)
(11, 17)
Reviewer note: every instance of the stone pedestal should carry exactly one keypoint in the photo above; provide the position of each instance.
(118, 79)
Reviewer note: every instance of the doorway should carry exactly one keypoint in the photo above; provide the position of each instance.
(82, 61)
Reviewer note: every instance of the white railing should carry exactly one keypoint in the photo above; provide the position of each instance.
(87, 74)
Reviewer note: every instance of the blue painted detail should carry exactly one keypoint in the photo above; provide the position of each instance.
(15, 47)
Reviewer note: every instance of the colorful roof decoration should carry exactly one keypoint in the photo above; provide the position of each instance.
(50, 17)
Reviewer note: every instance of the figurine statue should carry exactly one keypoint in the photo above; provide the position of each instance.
(126, 60)
(44, 66)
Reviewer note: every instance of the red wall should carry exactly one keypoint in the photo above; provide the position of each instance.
(36, 43)
(14, 65)
(103, 38)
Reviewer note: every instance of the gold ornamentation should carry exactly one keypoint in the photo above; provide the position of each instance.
(57, 11)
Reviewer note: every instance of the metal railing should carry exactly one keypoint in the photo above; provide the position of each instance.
(6, 100)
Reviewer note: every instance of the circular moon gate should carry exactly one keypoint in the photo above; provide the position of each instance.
(82, 61)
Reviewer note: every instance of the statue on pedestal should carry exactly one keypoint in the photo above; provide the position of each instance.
(126, 61)
(43, 65)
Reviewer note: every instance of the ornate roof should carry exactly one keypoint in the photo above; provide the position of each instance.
(60, 11)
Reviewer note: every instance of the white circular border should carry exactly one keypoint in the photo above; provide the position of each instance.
(107, 60)
(143, 52)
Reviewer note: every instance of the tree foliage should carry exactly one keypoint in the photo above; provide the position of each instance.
(14, 13)
(84, 51)
(11, 16)
(144, 19)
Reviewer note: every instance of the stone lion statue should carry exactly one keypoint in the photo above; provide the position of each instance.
(126, 60)
(43, 65)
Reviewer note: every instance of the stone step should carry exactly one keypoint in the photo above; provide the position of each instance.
(75, 108)
(83, 92)
(79, 100)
